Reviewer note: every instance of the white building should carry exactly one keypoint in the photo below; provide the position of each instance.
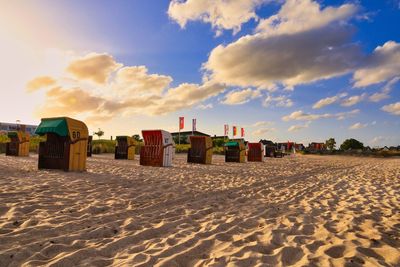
(8, 127)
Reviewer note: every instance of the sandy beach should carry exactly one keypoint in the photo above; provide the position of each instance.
(304, 210)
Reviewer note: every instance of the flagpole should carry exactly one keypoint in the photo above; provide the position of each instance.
(179, 132)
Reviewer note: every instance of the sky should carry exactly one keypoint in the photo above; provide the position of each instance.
(297, 70)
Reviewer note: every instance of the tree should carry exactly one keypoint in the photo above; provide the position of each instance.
(99, 133)
(137, 138)
(184, 139)
(330, 143)
(219, 142)
(351, 144)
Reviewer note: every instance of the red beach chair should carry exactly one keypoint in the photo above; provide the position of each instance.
(255, 152)
(158, 148)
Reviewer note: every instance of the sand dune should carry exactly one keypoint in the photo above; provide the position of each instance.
(305, 210)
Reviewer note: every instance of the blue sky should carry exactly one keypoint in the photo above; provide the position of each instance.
(232, 65)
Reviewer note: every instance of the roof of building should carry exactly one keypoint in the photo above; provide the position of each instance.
(189, 133)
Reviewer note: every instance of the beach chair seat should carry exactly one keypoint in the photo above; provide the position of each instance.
(18, 145)
(235, 151)
(200, 150)
(125, 148)
(255, 152)
(65, 147)
(158, 148)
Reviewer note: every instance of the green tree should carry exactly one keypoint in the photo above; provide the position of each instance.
(184, 139)
(330, 143)
(351, 144)
(137, 138)
(219, 142)
(99, 133)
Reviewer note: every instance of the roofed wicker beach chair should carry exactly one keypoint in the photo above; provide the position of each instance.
(158, 149)
(65, 147)
(125, 148)
(18, 145)
(200, 150)
(235, 151)
(255, 152)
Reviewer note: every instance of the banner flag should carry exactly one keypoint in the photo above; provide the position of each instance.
(226, 130)
(234, 130)
(242, 132)
(181, 123)
(193, 125)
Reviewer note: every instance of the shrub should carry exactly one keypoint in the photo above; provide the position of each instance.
(351, 144)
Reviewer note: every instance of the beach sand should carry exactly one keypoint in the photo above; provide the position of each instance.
(303, 210)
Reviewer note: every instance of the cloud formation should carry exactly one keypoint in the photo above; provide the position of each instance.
(382, 65)
(221, 14)
(392, 108)
(95, 67)
(384, 93)
(352, 100)
(239, 97)
(303, 15)
(301, 116)
(278, 101)
(296, 128)
(357, 126)
(325, 102)
(118, 91)
(262, 123)
(262, 131)
(294, 48)
(39, 83)
(136, 79)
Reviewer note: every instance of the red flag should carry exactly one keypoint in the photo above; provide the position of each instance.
(181, 123)
(242, 132)
(226, 130)
(234, 130)
(193, 125)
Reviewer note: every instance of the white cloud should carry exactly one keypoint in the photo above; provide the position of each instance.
(377, 97)
(118, 91)
(303, 15)
(392, 108)
(384, 94)
(357, 126)
(382, 65)
(353, 100)
(136, 79)
(301, 116)
(325, 102)
(312, 52)
(279, 101)
(295, 128)
(221, 14)
(263, 131)
(95, 67)
(328, 101)
(262, 123)
(239, 97)
(39, 83)
(203, 106)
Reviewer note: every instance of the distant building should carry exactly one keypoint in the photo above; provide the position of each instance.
(299, 146)
(267, 143)
(286, 146)
(219, 137)
(9, 127)
(187, 133)
(314, 146)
